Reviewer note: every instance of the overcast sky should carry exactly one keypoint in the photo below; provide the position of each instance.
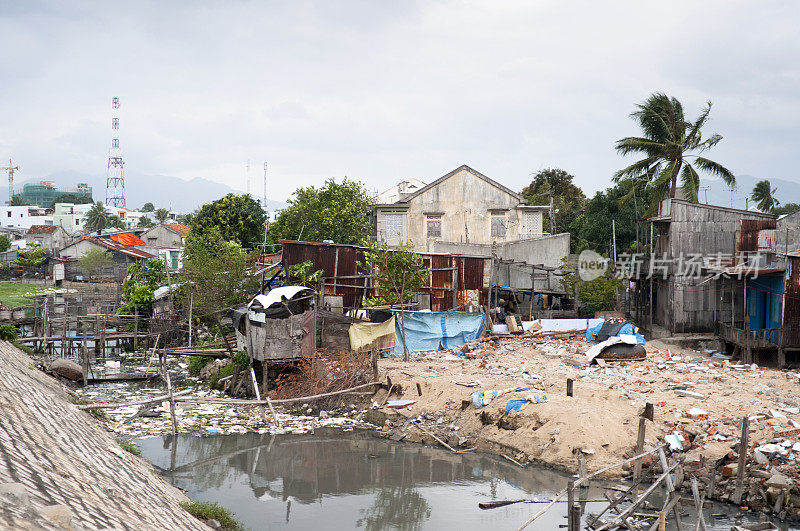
(381, 91)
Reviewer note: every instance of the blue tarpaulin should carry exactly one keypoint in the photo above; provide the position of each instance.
(626, 329)
(427, 331)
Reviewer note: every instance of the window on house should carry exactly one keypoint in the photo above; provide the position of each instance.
(434, 225)
(394, 228)
(8, 214)
(498, 224)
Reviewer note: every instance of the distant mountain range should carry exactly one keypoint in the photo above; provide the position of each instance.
(163, 191)
(716, 192)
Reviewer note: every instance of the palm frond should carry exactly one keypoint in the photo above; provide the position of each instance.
(690, 182)
(633, 144)
(693, 136)
(715, 168)
(649, 166)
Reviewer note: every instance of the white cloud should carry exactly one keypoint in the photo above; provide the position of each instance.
(381, 91)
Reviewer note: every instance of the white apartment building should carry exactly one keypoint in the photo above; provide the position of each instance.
(24, 217)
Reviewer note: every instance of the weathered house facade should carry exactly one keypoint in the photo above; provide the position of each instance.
(462, 206)
(166, 240)
(51, 237)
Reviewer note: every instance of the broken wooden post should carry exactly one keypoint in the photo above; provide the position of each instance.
(575, 517)
(258, 393)
(671, 495)
(85, 360)
(740, 473)
(374, 358)
(419, 389)
(172, 405)
(569, 386)
(570, 503)
(698, 501)
(648, 411)
(274, 415)
(637, 465)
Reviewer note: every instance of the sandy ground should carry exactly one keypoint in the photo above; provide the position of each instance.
(601, 419)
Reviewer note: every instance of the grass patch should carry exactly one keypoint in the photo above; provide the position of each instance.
(128, 446)
(95, 412)
(213, 511)
(14, 294)
(196, 364)
(24, 348)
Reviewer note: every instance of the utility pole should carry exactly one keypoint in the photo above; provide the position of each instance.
(11, 169)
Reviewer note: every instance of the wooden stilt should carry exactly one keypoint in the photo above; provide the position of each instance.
(172, 406)
(741, 473)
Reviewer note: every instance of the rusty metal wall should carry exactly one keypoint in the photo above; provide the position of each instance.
(756, 235)
(791, 303)
(472, 289)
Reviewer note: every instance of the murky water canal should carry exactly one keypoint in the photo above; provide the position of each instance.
(335, 480)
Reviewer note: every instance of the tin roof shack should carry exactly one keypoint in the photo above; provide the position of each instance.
(787, 232)
(672, 290)
(122, 255)
(279, 326)
(344, 284)
(765, 330)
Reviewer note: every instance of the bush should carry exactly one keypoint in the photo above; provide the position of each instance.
(129, 446)
(97, 413)
(24, 348)
(196, 364)
(9, 333)
(213, 511)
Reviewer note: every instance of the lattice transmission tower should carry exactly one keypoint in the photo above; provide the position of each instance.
(115, 180)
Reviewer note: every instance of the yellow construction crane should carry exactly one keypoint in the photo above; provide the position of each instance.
(11, 169)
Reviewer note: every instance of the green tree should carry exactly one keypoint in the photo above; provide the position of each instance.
(786, 208)
(31, 256)
(397, 275)
(237, 218)
(144, 222)
(94, 261)
(5, 243)
(301, 275)
(115, 222)
(143, 280)
(148, 207)
(568, 200)
(71, 198)
(16, 200)
(336, 211)
(218, 271)
(162, 214)
(594, 226)
(764, 196)
(97, 218)
(672, 147)
(595, 295)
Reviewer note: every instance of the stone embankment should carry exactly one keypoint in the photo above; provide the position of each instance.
(60, 469)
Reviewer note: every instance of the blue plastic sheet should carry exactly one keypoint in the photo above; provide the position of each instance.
(518, 404)
(431, 331)
(627, 329)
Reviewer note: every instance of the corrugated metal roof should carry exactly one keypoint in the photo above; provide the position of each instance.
(118, 247)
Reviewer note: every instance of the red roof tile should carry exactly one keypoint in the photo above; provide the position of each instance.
(42, 229)
(181, 229)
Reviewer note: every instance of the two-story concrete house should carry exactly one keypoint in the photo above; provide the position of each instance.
(463, 206)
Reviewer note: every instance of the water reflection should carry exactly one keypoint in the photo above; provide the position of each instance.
(354, 480)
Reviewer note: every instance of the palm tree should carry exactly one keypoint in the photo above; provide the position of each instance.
(764, 196)
(162, 214)
(97, 218)
(669, 143)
